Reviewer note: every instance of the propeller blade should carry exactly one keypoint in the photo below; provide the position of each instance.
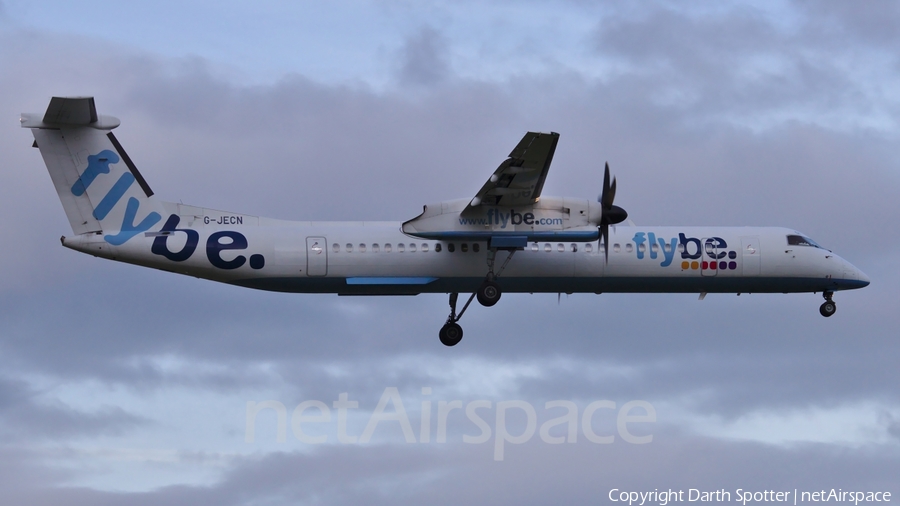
(605, 190)
(612, 193)
(610, 214)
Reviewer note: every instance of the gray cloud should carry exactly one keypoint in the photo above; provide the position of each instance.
(24, 417)
(838, 23)
(534, 474)
(424, 58)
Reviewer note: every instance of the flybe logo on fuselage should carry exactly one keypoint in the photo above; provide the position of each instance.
(503, 219)
(708, 253)
(216, 243)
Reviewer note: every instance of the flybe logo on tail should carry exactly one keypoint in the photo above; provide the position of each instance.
(99, 164)
(709, 253)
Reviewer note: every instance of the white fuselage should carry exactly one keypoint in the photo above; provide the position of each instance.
(377, 258)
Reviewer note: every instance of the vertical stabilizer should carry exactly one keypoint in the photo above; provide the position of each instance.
(99, 186)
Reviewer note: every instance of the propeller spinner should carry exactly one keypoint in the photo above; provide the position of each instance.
(611, 214)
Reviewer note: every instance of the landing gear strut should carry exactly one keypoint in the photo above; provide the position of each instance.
(488, 294)
(827, 308)
(451, 333)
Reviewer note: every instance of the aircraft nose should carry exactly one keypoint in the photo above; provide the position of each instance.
(856, 277)
(861, 276)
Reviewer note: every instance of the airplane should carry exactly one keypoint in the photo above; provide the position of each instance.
(507, 238)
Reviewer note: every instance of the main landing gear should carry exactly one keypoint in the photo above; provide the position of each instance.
(488, 294)
(828, 307)
(451, 333)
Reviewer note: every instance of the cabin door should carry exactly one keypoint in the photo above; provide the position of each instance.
(750, 255)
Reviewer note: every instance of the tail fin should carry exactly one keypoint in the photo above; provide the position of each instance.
(100, 188)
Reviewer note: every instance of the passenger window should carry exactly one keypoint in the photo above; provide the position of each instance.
(375, 248)
(349, 248)
(335, 247)
(451, 247)
(617, 248)
(629, 248)
(362, 247)
(534, 246)
(574, 247)
(667, 248)
(547, 247)
(654, 248)
(387, 247)
(464, 247)
(588, 247)
(425, 247)
(437, 247)
(476, 247)
(641, 247)
(680, 248)
(401, 248)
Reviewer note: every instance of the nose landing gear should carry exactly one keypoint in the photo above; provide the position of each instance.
(828, 307)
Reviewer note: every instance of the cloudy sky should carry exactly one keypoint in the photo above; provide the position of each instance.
(121, 385)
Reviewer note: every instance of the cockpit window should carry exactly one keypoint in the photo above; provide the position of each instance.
(799, 240)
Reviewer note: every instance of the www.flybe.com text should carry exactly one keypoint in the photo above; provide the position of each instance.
(497, 217)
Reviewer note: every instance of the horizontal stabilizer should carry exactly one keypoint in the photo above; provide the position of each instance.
(70, 112)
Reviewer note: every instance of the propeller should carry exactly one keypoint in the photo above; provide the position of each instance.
(611, 214)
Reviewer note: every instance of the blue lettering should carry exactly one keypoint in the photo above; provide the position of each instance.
(129, 229)
(214, 248)
(638, 240)
(97, 164)
(115, 194)
(715, 247)
(687, 241)
(669, 253)
(504, 218)
(160, 247)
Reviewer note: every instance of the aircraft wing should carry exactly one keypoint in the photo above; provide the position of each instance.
(520, 178)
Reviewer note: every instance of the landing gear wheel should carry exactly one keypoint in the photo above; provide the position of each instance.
(488, 293)
(827, 309)
(451, 334)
